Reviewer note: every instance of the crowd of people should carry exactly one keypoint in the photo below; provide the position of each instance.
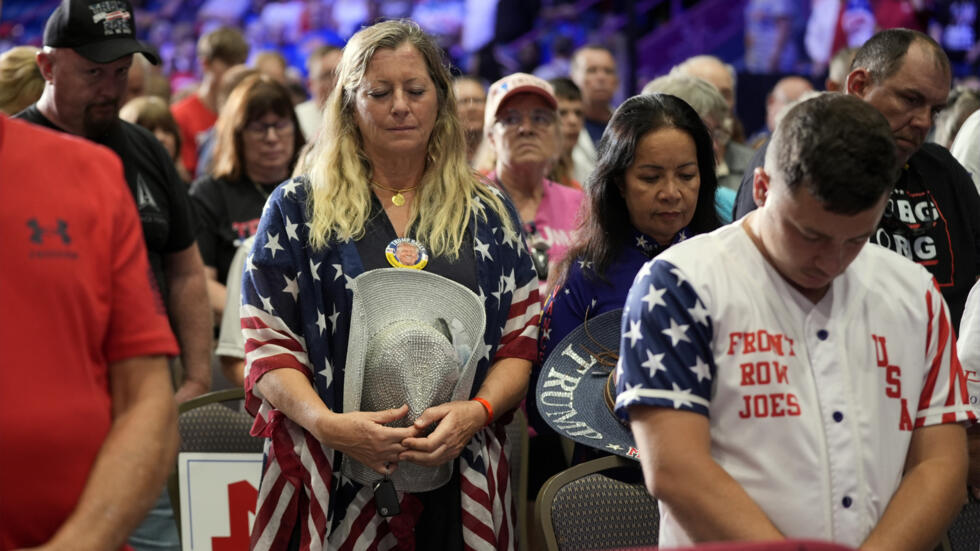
(393, 265)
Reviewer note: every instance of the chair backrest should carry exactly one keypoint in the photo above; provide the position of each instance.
(209, 423)
(964, 533)
(600, 504)
(785, 545)
(517, 439)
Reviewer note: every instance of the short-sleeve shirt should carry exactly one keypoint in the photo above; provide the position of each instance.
(228, 214)
(161, 196)
(815, 400)
(194, 119)
(556, 221)
(77, 296)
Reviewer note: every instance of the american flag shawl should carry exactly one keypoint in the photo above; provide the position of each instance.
(295, 314)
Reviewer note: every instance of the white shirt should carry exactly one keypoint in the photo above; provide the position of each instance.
(966, 147)
(811, 406)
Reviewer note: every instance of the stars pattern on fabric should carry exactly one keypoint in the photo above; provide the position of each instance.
(634, 333)
(333, 320)
(511, 238)
(677, 332)
(654, 363)
(326, 373)
(291, 230)
(699, 313)
(289, 188)
(321, 322)
(482, 248)
(284, 333)
(267, 304)
(654, 297)
(701, 369)
(272, 243)
(670, 367)
(291, 287)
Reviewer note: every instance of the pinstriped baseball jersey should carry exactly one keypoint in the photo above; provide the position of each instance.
(811, 406)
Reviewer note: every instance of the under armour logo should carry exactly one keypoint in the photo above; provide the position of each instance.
(38, 232)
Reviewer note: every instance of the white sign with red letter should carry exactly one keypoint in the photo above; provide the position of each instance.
(217, 499)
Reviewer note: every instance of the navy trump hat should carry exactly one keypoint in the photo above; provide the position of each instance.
(98, 30)
(576, 390)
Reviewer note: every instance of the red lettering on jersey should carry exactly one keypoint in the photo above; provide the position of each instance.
(794, 405)
(776, 342)
(893, 376)
(893, 373)
(747, 412)
(764, 340)
(781, 376)
(750, 342)
(770, 405)
(761, 373)
(881, 351)
(748, 374)
(777, 408)
(906, 421)
(732, 341)
(971, 375)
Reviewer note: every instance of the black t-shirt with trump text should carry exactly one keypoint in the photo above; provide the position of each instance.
(160, 195)
(229, 213)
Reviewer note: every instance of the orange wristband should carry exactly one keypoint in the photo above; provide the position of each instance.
(486, 405)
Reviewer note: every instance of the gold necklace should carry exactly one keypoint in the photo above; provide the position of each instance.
(397, 199)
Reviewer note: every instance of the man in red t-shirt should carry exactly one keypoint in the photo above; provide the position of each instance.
(88, 418)
(196, 114)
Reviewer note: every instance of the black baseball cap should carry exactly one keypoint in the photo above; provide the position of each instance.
(98, 30)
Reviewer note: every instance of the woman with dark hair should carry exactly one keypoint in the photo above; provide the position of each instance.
(153, 114)
(653, 186)
(257, 142)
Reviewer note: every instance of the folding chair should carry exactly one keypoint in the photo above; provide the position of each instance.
(207, 425)
(964, 533)
(600, 504)
(517, 439)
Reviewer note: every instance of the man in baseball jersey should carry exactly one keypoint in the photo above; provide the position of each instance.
(784, 380)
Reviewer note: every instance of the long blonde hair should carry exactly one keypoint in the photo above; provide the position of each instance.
(21, 83)
(340, 171)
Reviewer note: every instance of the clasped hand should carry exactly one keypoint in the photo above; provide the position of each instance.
(457, 423)
(363, 436)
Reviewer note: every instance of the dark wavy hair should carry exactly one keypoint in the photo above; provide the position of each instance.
(606, 227)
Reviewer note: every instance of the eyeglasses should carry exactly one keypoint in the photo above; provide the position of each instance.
(471, 101)
(539, 118)
(259, 129)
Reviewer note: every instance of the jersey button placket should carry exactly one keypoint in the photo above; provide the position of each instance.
(833, 393)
